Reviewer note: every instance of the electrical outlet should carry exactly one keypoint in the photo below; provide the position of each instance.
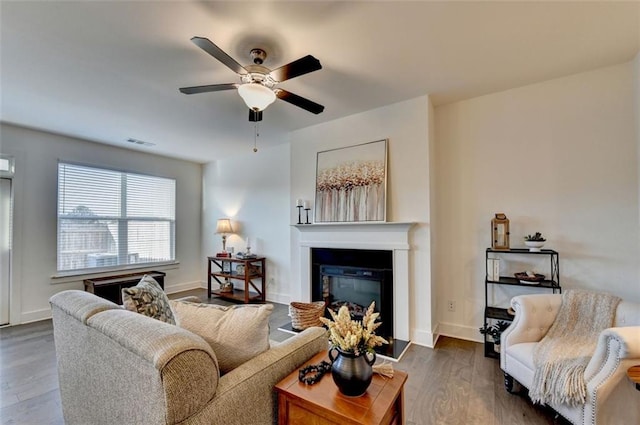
(451, 305)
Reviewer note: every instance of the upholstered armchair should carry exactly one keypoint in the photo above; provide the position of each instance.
(611, 397)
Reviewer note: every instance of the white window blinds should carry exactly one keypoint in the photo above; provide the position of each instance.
(112, 218)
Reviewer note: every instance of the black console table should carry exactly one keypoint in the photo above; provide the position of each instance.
(110, 287)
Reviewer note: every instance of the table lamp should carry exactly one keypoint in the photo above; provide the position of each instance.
(223, 227)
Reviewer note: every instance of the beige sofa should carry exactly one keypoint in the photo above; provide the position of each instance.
(120, 367)
(611, 398)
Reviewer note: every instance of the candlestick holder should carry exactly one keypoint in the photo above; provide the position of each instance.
(299, 207)
(307, 210)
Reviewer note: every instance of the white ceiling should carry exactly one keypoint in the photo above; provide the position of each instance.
(107, 71)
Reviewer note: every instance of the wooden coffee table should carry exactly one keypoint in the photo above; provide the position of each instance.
(322, 403)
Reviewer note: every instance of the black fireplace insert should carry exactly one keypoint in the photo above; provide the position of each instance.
(355, 278)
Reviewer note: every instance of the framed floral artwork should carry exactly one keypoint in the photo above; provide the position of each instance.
(351, 184)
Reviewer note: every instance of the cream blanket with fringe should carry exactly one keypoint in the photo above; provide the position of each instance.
(561, 357)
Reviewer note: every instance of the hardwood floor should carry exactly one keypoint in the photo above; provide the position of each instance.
(453, 384)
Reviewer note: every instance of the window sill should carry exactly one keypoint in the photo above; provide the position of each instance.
(79, 275)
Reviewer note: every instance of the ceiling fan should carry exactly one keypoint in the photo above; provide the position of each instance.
(258, 83)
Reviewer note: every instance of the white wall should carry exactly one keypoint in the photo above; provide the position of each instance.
(406, 126)
(582, 132)
(558, 157)
(636, 114)
(252, 190)
(35, 196)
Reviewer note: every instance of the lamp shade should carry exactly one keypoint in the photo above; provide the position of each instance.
(256, 96)
(223, 226)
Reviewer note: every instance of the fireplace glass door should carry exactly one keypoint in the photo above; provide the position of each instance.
(351, 286)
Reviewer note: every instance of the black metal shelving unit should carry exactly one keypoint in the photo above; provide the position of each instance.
(498, 313)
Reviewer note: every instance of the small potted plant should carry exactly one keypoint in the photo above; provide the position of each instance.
(495, 332)
(534, 242)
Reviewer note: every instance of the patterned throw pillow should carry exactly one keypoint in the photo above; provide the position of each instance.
(148, 298)
(236, 333)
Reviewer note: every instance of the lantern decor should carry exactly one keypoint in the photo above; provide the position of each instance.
(500, 232)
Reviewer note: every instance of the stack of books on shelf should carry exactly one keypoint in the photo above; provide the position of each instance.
(493, 269)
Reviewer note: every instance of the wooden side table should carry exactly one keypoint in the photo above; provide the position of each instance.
(226, 268)
(634, 375)
(322, 403)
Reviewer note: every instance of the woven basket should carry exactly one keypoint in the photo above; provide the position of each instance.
(306, 315)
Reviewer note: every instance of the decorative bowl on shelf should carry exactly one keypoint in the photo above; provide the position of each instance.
(523, 277)
(534, 246)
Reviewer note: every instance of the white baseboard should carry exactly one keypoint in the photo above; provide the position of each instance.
(424, 338)
(420, 337)
(468, 333)
(436, 334)
(34, 316)
(186, 286)
(429, 339)
(278, 298)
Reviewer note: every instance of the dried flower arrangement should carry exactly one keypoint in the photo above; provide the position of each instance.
(353, 336)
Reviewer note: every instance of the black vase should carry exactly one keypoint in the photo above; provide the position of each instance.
(351, 373)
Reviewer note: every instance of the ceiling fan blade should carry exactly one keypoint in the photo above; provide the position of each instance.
(209, 88)
(299, 101)
(255, 116)
(208, 46)
(296, 68)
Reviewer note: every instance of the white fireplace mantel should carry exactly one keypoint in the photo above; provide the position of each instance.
(383, 236)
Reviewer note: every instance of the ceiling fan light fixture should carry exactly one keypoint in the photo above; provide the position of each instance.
(257, 82)
(256, 96)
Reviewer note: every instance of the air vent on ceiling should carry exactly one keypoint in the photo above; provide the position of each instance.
(140, 142)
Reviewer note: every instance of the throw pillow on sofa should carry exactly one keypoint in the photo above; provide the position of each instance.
(235, 333)
(148, 298)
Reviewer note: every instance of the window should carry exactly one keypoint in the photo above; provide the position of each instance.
(113, 218)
